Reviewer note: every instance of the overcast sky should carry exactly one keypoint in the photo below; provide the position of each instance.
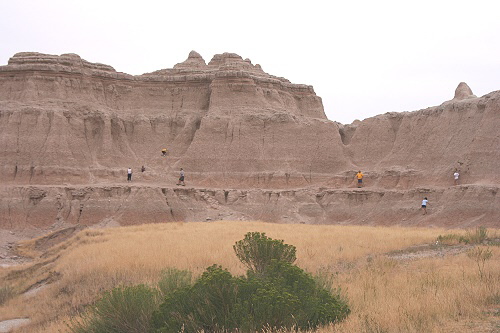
(363, 58)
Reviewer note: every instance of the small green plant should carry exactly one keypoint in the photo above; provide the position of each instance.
(449, 239)
(475, 236)
(123, 309)
(257, 250)
(480, 256)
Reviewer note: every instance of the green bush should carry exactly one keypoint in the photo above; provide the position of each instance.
(288, 297)
(124, 309)
(207, 305)
(172, 279)
(257, 250)
(275, 294)
(285, 297)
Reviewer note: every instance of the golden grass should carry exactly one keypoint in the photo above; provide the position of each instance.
(386, 295)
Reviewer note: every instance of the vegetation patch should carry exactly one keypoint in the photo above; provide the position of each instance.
(275, 294)
(479, 235)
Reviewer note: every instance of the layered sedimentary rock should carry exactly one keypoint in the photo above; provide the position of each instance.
(426, 146)
(64, 119)
(75, 127)
(50, 206)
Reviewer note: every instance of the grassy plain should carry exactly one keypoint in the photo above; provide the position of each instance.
(390, 285)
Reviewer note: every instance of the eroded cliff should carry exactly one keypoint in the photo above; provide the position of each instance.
(70, 126)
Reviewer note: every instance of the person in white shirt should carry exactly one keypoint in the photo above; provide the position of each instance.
(181, 178)
(129, 174)
(424, 205)
(455, 177)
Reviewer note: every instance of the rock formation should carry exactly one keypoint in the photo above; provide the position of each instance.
(253, 146)
(463, 91)
(87, 122)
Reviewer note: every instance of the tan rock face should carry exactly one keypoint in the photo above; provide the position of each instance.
(430, 144)
(87, 122)
(76, 126)
(47, 206)
(463, 91)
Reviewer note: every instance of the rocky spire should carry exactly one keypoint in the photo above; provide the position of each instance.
(194, 60)
(463, 92)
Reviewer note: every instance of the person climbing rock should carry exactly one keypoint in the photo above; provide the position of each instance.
(456, 175)
(181, 178)
(359, 176)
(129, 174)
(424, 205)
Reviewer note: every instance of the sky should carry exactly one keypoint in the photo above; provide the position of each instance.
(363, 58)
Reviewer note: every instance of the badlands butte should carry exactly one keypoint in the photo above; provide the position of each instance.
(254, 147)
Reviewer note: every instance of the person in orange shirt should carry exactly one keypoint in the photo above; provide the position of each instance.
(359, 175)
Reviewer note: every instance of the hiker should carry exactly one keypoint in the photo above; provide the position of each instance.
(424, 205)
(181, 178)
(359, 175)
(164, 152)
(455, 177)
(129, 174)
(143, 168)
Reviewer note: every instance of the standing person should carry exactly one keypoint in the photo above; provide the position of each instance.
(359, 175)
(181, 178)
(424, 205)
(455, 177)
(143, 168)
(129, 174)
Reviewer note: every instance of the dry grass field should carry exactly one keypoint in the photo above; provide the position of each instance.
(395, 279)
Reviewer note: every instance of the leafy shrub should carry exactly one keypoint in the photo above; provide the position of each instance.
(172, 279)
(123, 309)
(275, 294)
(257, 250)
(207, 305)
(288, 297)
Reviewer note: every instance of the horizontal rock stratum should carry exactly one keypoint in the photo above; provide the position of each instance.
(66, 122)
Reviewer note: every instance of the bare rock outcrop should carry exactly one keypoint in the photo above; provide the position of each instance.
(88, 122)
(426, 146)
(463, 92)
(69, 129)
(194, 60)
(123, 204)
